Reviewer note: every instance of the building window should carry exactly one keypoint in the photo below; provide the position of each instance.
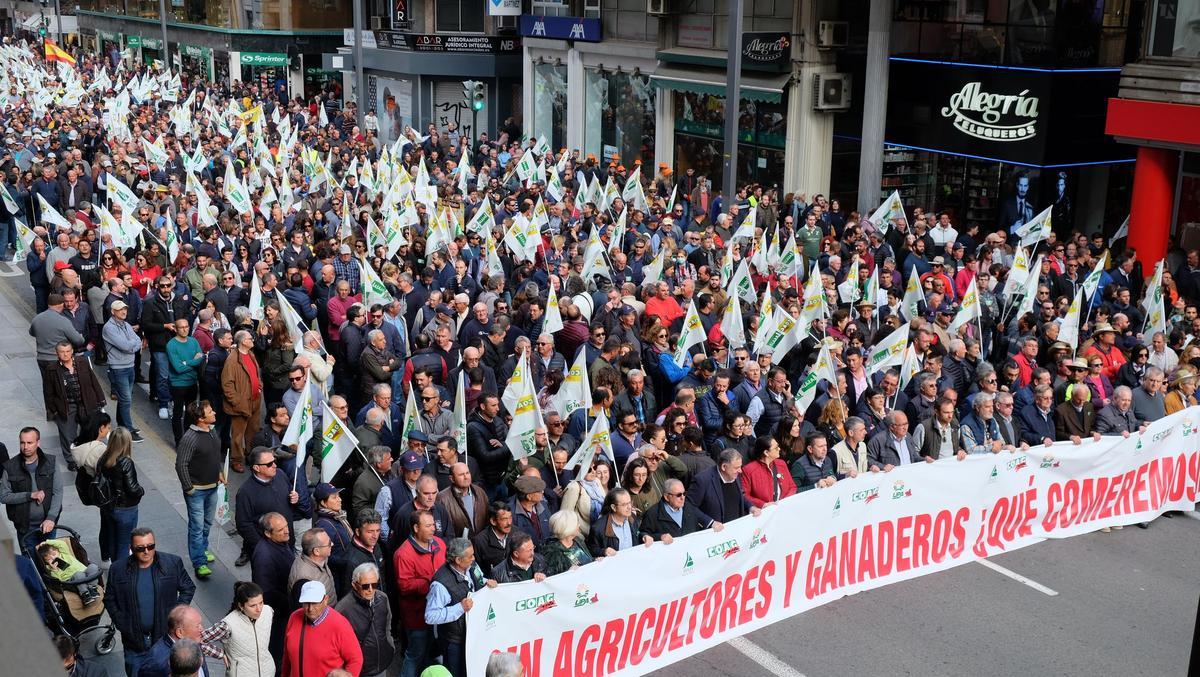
(1019, 32)
(550, 104)
(1174, 29)
(619, 114)
(550, 8)
(624, 19)
(460, 16)
(705, 25)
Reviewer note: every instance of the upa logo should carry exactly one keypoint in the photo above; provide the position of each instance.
(491, 617)
(1048, 461)
(538, 605)
(726, 549)
(900, 491)
(994, 474)
(864, 496)
(756, 539)
(837, 507)
(584, 597)
(1019, 463)
(689, 564)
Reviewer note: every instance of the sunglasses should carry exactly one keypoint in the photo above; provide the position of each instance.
(676, 494)
(367, 586)
(266, 465)
(429, 399)
(149, 547)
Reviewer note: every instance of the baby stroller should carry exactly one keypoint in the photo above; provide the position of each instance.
(66, 612)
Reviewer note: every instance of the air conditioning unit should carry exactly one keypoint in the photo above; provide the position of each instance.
(832, 34)
(658, 7)
(831, 92)
(377, 23)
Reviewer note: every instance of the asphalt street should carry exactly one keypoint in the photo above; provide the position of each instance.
(1125, 602)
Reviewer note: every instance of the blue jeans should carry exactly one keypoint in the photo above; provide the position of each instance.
(8, 232)
(134, 660)
(33, 537)
(122, 385)
(201, 507)
(416, 654)
(115, 525)
(454, 658)
(162, 386)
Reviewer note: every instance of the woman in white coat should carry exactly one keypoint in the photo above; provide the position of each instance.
(244, 634)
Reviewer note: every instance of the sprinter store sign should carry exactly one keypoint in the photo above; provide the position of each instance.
(992, 116)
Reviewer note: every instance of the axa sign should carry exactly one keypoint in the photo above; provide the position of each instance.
(993, 116)
(583, 29)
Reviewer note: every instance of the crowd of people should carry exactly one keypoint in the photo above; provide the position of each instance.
(240, 254)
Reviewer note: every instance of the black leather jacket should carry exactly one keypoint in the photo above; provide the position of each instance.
(123, 479)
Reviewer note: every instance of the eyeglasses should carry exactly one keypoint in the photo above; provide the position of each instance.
(428, 399)
(367, 586)
(293, 379)
(600, 333)
(675, 495)
(557, 424)
(266, 465)
(149, 547)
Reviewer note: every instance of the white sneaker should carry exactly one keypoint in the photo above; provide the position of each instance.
(163, 413)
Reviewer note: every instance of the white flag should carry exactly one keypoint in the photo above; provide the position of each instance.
(1068, 331)
(373, 289)
(766, 321)
(553, 322)
(412, 417)
(652, 274)
(785, 335)
(526, 414)
(460, 413)
(337, 443)
(597, 441)
(970, 310)
(1123, 231)
(256, 299)
(891, 209)
(236, 192)
(748, 226)
(815, 306)
(848, 290)
(51, 215)
(1092, 282)
(1018, 275)
(910, 306)
(731, 322)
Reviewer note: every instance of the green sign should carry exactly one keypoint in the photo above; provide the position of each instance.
(264, 59)
(194, 52)
(111, 37)
(131, 41)
(151, 43)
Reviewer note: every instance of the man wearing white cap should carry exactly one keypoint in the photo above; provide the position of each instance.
(318, 639)
(122, 344)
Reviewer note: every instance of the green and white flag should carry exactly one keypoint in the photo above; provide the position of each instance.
(373, 289)
(155, 152)
(172, 242)
(575, 391)
(786, 335)
(293, 322)
(224, 505)
(848, 290)
(910, 305)
(236, 192)
(1018, 274)
(300, 430)
(526, 414)
(337, 442)
(597, 441)
(889, 352)
(25, 238)
(691, 334)
(823, 370)
(742, 285)
(970, 309)
(652, 273)
(460, 413)
(1092, 282)
(121, 194)
(1068, 331)
(815, 306)
(766, 322)
(8, 200)
(483, 219)
(412, 417)
(1036, 230)
(891, 209)
(256, 300)
(747, 227)
(527, 166)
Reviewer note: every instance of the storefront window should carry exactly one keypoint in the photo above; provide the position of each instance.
(1175, 29)
(618, 116)
(700, 137)
(393, 107)
(550, 104)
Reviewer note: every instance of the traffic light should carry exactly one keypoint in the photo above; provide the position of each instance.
(468, 88)
(42, 28)
(478, 95)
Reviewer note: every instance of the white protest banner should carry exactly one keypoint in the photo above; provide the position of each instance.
(647, 608)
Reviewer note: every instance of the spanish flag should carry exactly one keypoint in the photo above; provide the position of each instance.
(56, 53)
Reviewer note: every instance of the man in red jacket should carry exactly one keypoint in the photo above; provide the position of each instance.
(318, 638)
(415, 563)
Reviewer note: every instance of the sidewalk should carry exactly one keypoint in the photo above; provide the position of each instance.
(162, 508)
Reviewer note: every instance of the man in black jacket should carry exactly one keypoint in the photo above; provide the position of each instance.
(366, 607)
(270, 564)
(145, 569)
(674, 516)
(266, 491)
(31, 490)
(485, 443)
(365, 548)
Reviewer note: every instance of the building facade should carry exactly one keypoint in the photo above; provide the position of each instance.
(1157, 112)
(278, 43)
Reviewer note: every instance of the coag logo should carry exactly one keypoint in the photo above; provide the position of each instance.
(1018, 463)
(1164, 434)
(866, 496)
(756, 539)
(900, 491)
(584, 596)
(725, 549)
(539, 604)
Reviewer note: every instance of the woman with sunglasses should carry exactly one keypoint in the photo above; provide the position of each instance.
(144, 273)
(112, 264)
(1131, 373)
(1098, 383)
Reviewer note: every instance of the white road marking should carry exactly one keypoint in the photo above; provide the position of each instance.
(1018, 578)
(769, 661)
(1191, 513)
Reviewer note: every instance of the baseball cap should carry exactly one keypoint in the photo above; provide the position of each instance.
(344, 249)
(119, 305)
(938, 261)
(412, 460)
(61, 265)
(324, 490)
(312, 591)
(444, 309)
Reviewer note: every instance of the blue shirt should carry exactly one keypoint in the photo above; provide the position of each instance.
(145, 594)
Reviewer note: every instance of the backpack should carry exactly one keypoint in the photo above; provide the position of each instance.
(93, 490)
